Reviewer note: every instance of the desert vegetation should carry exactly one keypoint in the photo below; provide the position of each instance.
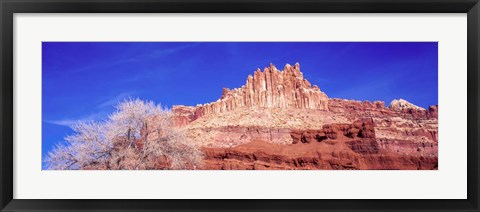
(139, 135)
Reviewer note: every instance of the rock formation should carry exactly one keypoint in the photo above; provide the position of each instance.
(401, 104)
(271, 88)
(278, 120)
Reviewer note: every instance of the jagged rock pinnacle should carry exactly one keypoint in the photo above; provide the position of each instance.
(270, 88)
(402, 104)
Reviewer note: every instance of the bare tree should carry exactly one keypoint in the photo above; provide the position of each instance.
(139, 135)
(88, 146)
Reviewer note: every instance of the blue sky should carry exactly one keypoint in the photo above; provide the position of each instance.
(84, 80)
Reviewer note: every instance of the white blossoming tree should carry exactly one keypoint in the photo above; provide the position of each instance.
(139, 135)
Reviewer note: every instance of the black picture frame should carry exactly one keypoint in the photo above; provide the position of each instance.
(9, 7)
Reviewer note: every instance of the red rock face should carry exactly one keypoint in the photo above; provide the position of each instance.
(183, 114)
(278, 120)
(359, 129)
(335, 146)
(270, 88)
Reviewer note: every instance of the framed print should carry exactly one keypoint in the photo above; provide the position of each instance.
(245, 105)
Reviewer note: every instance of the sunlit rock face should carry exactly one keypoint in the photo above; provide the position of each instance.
(269, 88)
(402, 104)
(278, 120)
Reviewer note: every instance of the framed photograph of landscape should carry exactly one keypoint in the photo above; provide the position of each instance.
(239, 105)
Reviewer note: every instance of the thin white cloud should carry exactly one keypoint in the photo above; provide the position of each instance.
(154, 54)
(63, 122)
(169, 51)
(115, 100)
(69, 122)
(104, 108)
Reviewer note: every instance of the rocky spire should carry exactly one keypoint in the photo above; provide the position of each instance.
(402, 104)
(268, 88)
(272, 88)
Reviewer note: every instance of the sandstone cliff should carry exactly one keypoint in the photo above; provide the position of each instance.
(278, 120)
(271, 88)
